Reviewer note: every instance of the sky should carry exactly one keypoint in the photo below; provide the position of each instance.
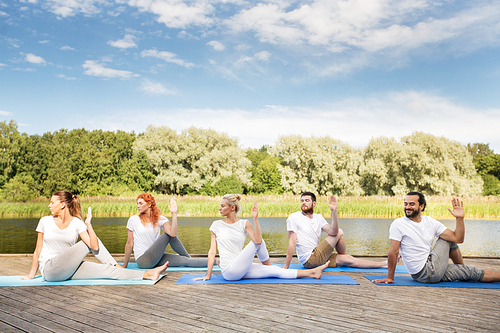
(256, 70)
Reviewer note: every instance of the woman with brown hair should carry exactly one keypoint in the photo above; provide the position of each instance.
(145, 238)
(60, 257)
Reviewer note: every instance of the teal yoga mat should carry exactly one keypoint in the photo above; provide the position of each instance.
(218, 279)
(399, 269)
(15, 281)
(409, 282)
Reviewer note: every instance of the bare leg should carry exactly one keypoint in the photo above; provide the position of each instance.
(314, 273)
(491, 276)
(348, 260)
(154, 274)
(456, 257)
(337, 242)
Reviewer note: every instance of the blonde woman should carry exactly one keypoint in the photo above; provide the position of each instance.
(228, 236)
(60, 257)
(148, 244)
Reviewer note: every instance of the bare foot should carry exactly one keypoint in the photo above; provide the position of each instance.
(316, 272)
(155, 273)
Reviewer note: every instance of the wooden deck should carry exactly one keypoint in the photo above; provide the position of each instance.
(166, 307)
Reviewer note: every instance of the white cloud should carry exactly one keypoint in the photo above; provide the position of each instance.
(34, 59)
(167, 56)
(178, 14)
(4, 113)
(68, 8)
(62, 76)
(127, 42)
(44, 41)
(218, 46)
(3, 13)
(67, 48)
(93, 68)
(155, 88)
(2, 65)
(354, 121)
(262, 56)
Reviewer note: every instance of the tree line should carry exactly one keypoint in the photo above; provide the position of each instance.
(207, 162)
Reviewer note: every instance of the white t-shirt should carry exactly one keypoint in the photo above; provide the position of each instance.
(56, 240)
(416, 240)
(230, 240)
(144, 235)
(308, 233)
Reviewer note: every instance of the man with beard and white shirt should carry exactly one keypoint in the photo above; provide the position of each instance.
(304, 234)
(413, 235)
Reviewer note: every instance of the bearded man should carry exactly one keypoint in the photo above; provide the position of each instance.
(304, 235)
(413, 235)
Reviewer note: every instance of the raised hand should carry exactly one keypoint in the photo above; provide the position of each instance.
(332, 203)
(255, 211)
(89, 216)
(458, 208)
(173, 206)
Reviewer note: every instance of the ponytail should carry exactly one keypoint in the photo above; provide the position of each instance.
(72, 201)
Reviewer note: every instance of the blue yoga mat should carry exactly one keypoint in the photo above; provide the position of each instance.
(216, 268)
(408, 281)
(218, 279)
(399, 269)
(15, 281)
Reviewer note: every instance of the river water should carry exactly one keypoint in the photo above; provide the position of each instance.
(363, 236)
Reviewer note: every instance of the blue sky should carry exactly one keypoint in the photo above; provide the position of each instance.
(353, 70)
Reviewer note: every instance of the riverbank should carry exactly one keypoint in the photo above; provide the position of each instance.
(269, 205)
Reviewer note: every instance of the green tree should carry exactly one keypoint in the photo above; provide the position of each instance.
(266, 177)
(9, 150)
(491, 185)
(479, 150)
(20, 188)
(421, 162)
(183, 163)
(318, 164)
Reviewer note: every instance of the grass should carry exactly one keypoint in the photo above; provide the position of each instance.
(269, 205)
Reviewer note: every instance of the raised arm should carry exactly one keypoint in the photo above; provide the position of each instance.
(36, 256)
(458, 212)
(173, 209)
(332, 229)
(392, 261)
(254, 234)
(89, 237)
(128, 248)
(211, 258)
(292, 243)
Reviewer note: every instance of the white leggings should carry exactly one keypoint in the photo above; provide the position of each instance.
(243, 267)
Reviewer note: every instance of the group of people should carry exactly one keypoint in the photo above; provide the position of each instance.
(59, 256)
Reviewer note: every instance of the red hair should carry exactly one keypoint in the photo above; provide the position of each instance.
(155, 212)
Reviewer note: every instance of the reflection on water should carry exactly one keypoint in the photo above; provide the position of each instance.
(363, 236)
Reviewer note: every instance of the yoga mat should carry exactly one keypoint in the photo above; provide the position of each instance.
(218, 279)
(15, 281)
(399, 269)
(216, 268)
(408, 281)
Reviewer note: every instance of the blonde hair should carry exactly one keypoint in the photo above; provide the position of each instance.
(233, 200)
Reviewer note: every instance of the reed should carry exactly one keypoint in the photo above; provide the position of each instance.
(269, 205)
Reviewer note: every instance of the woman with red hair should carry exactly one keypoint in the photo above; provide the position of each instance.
(148, 244)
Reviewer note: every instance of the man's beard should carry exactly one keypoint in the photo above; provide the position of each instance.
(307, 210)
(413, 214)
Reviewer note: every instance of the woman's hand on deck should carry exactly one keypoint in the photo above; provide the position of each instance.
(255, 211)
(386, 280)
(27, 277)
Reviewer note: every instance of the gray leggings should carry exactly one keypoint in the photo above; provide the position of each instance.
(70, 265)
(156, 256)
(437, 268)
